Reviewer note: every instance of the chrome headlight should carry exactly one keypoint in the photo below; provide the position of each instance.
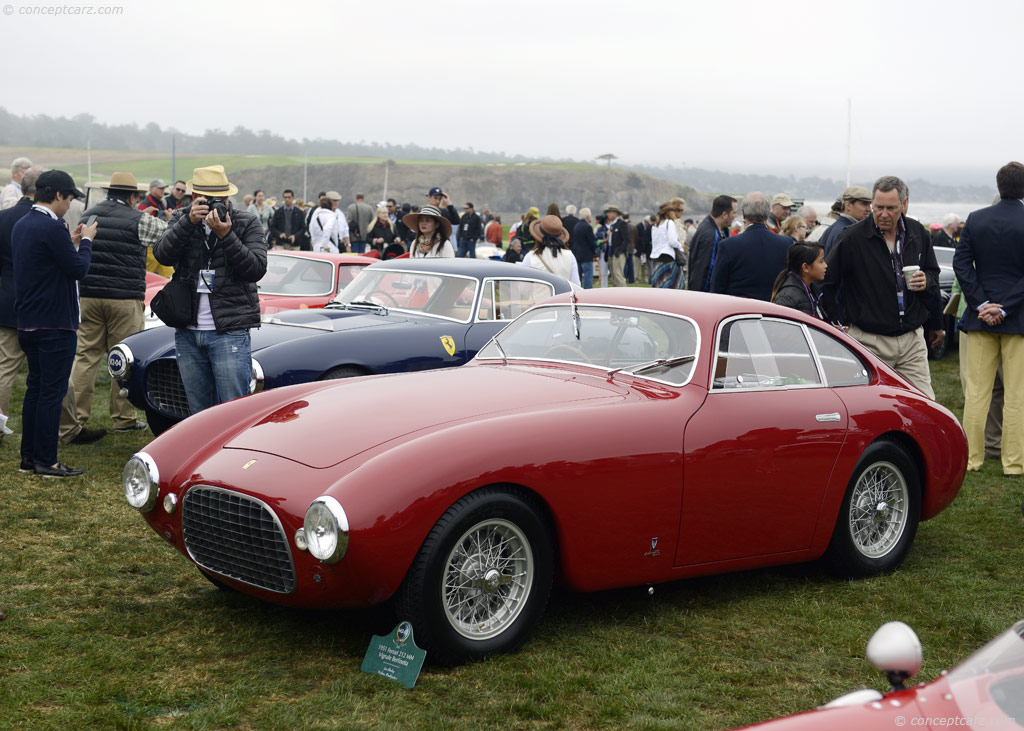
(119, 362)
(256, 380)
(326, 529)
(141, 482)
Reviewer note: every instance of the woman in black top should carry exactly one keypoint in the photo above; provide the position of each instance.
(805, 265)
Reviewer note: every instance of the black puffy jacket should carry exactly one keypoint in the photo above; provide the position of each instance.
(239, 261)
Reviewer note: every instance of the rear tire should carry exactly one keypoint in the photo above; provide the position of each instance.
(481, 579)
(878, 519)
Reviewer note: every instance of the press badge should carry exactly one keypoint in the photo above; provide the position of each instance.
(205, 283)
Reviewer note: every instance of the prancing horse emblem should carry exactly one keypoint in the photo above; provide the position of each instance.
(449, 344)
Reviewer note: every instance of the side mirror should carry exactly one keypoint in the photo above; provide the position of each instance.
(895, 650)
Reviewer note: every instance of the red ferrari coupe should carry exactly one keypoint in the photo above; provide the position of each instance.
(632, 436)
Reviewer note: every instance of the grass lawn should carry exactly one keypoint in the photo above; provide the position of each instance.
(108, 627)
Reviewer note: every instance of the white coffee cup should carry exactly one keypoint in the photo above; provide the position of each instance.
(910, 271)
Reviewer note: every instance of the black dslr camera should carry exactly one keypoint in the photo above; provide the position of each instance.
(218, 206)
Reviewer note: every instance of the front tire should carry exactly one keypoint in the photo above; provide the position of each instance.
(879, 516)
(158, 423)
(482, 578)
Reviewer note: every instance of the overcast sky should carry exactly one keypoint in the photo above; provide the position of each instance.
(739, 86)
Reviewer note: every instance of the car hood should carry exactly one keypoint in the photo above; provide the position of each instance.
(296, 324)
(326, 426)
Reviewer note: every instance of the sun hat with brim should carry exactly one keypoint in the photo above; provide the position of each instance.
(550, 225)
(211, 181)
(412, 220)
(613, 209)
(122, 181)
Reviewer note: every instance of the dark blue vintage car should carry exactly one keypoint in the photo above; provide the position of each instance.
(394, 317)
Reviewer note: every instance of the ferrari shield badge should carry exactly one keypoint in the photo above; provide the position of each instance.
(449, 344)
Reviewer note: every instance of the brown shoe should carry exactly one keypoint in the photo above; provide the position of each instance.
(88, 436)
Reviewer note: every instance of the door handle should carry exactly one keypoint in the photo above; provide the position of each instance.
(834, 416)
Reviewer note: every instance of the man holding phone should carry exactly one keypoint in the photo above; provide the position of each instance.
(48, 263)
(220, 253)
(113, 294)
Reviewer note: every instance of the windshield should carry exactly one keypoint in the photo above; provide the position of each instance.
(652, 345)
(297, 276)
(440, 295)
(990, 683)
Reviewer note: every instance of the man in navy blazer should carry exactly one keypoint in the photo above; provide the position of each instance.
(748, 264)
(989, 263)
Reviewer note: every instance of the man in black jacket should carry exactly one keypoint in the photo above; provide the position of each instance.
(619, 243)
(288, 225)
(643, 250)
(220, 258)
(748, 263)
(569, 220)
(887, 307)
(704, 246)
(11, 354)
(471, 228)
(112, 296)
(584, 247)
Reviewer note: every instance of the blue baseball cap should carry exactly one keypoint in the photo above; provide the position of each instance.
(435, 191)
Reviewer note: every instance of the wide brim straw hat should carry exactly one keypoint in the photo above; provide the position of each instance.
(122, 181)
(211, 181)
(550, 225)
(412, 220)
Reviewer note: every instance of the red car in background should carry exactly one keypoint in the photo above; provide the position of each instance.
(294, 280)
(984, 691)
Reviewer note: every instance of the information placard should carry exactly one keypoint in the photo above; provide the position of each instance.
(395, 656)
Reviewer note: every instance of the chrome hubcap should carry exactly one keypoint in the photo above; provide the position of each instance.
(878, 510)
(487, 579)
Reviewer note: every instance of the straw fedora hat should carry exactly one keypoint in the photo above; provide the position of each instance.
(550, 225)
(122, 181)
(412, 220)
(211, 181)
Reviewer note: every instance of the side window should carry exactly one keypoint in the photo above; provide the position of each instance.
(512, 297)
(842, 366)
(763, 354)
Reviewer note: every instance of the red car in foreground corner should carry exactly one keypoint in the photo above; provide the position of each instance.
(985, 691)
(635, 436)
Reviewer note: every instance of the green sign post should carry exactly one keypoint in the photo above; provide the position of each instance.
(395, 656)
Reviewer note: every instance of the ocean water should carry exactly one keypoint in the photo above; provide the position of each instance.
(924, 212)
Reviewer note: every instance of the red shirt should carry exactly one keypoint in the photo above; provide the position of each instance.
(493, 233)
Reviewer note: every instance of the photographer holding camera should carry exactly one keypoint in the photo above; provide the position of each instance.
(219, 255)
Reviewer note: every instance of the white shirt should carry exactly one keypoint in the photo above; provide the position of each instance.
(446, 252)
(10, 195)
(665, 239)
(340, 227)
(323, 229)
(564, 265)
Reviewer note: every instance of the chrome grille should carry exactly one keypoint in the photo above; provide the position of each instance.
(164, 388)
(237, 536)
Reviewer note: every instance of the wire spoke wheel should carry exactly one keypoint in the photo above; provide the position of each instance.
(878, 509)
(487, 579)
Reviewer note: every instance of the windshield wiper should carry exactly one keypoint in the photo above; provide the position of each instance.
(363, 303)
(665, 363)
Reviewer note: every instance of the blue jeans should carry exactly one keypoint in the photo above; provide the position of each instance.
(215, 367)
(50, 354)
(467, 248)
(586, 273)
(358, 247)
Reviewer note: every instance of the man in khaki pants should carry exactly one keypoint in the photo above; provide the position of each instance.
(989, 264)
(112, 302)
